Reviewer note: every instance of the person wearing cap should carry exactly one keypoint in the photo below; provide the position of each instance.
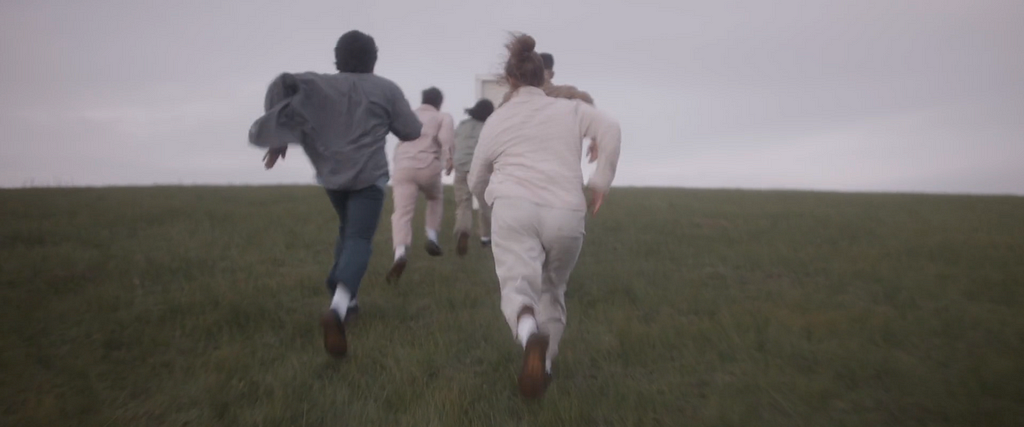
(466, 136)
(341, 121)
(418, 166)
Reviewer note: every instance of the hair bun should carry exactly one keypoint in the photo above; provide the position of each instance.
(523, 45)
(524, 66)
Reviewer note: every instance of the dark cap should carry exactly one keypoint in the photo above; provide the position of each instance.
(482, 110)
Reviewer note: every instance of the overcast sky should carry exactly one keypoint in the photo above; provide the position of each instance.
(892, 95)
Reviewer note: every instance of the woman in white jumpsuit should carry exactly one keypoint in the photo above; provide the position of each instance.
(527, 167)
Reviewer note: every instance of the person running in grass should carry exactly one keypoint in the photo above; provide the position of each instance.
(466, 136)
(527, 167)
(341, 121)
(418, 166)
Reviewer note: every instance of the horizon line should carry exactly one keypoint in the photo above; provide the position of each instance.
(65, 186)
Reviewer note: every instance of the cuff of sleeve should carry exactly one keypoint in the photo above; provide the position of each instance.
(598, 184)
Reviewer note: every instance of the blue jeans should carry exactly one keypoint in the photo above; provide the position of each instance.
(358, 215)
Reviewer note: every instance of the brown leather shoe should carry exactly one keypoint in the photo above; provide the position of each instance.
(334, 334)
(433, 249)
(463, 246)
(396, 270)
(533, 377)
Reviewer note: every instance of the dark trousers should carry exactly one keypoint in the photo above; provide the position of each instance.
(358, 215)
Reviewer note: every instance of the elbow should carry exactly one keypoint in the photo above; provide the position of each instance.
(414, 134)
(613, 132)
(478, 192)
(473, 180)
(411, 135)
(614, 127)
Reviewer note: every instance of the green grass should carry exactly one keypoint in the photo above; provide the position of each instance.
(199, 306)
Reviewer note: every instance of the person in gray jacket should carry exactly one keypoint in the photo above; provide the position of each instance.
(466, 136)
(341, 121)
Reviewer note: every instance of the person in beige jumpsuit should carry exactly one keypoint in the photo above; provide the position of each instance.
(417, 169)
(467, 135)
(527, 167)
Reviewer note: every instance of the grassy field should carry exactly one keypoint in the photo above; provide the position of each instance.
(199, 306)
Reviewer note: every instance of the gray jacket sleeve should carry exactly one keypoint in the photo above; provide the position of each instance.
(283, 121)
(404, 123)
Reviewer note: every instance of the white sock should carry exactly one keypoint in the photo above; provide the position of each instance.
(432, 235)
(485, 239)
(547, 365)
(340, 301)
(353, 303)
(399, 252)
(527, 327)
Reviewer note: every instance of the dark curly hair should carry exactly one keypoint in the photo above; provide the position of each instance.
(433, 96)
(356, 52)
(482, 110)
(549, 61)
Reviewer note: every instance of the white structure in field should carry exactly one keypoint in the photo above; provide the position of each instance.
(490, 86)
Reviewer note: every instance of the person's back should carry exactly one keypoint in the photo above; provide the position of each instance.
(349, 116)
(428, 148)
(539, 141)
(466, 136)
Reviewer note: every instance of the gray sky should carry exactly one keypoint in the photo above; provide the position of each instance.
(907, 95)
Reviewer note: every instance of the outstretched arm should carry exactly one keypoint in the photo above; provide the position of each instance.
(281, 124)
